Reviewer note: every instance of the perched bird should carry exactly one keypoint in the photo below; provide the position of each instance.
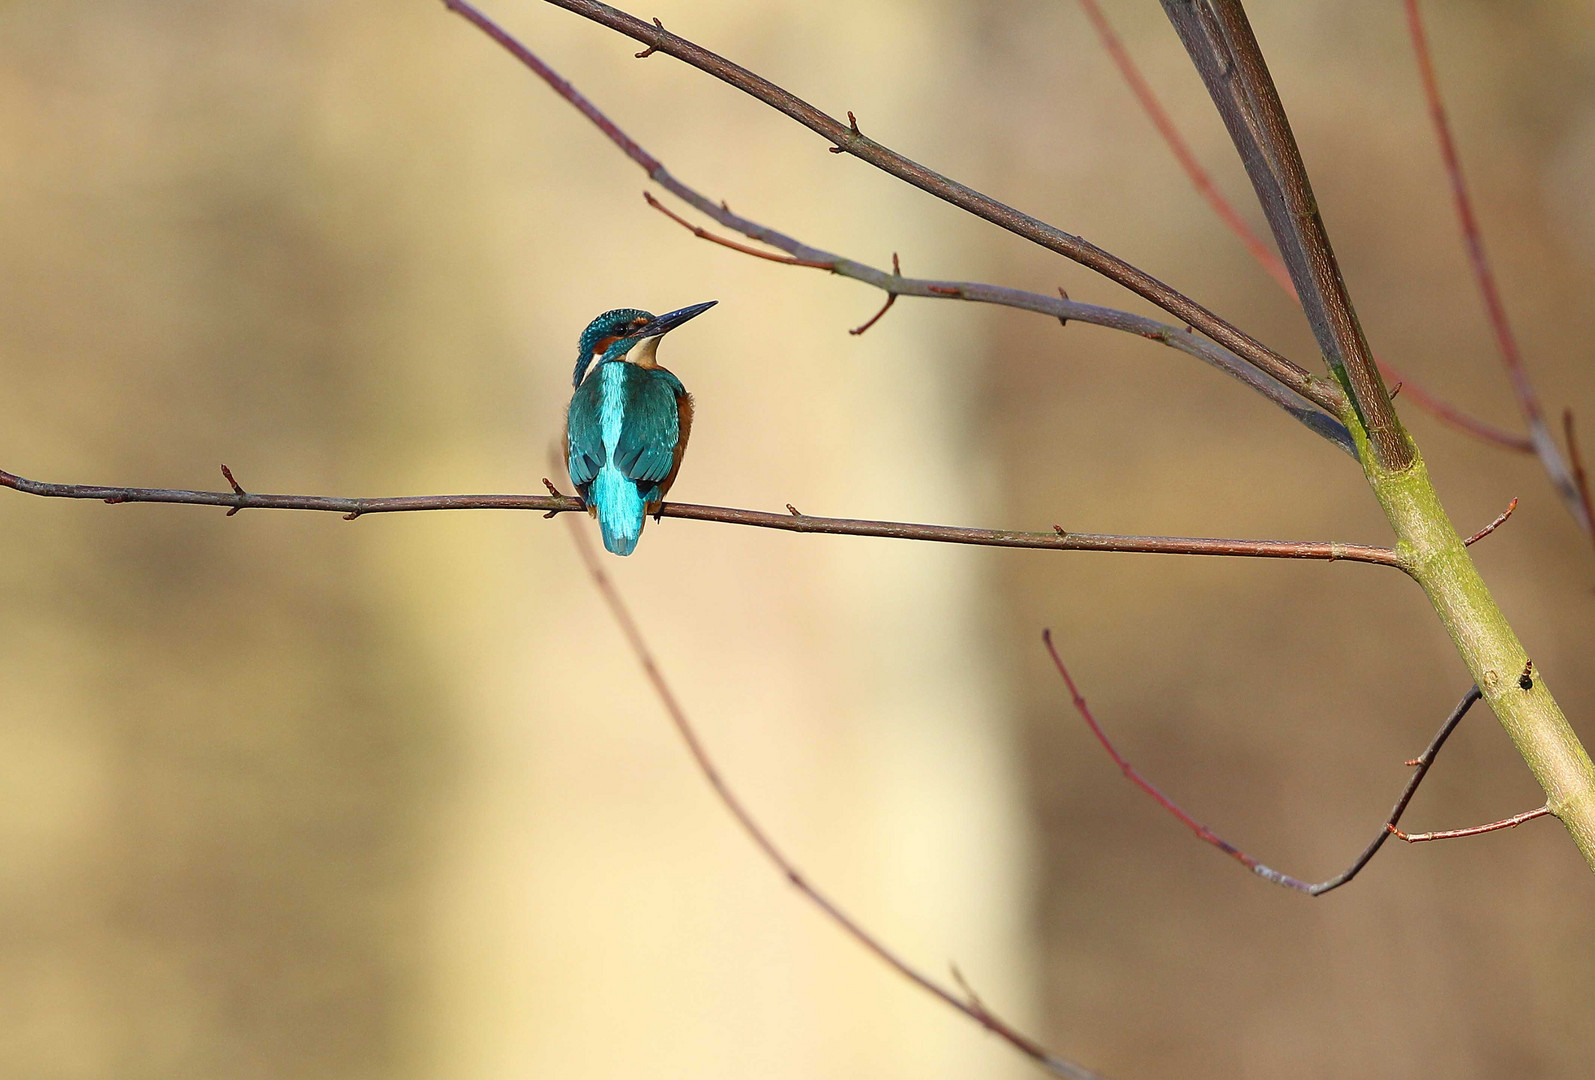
(628, 421)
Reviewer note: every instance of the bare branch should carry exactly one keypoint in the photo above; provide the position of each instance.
(1302, 408)
(1057, 540)
(848, 139)
(1478, 830)
(1207, 835)
(891, 298)
(1492, 526)
(704, 234)
(1064, 309)
(1265, 256)
(971, 1007)
(1447, 413)
(1219, 39)
(1528, 401)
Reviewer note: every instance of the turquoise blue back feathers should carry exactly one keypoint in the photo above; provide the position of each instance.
(628, 422)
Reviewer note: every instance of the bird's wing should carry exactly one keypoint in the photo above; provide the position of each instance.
(651, 426)
(584, 434)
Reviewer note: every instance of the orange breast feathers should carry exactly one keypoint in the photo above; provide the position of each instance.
(684, 430)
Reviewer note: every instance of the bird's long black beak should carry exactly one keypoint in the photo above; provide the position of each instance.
(672, 319)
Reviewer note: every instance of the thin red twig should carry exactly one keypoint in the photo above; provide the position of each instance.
(971, 1006)
(704, 234)
(1511, 357)
(1420, 763)
(1492, 526)
(1264, 255)
(1478, 830)
(891, 298)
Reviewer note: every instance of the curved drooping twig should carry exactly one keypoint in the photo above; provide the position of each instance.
(969, 1004)
(848, 139)
(798, 253)
(1386, 831)
(554, 503)
(1261, 253)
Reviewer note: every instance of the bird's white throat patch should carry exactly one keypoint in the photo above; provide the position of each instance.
(646, 353)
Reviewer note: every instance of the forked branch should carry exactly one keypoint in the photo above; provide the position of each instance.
(1060, 307)
(1261, 253)
(1421, 768)
(1218, 37)
(848, 139)
(1307, 411)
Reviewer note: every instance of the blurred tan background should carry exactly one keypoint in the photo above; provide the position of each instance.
(282, 795)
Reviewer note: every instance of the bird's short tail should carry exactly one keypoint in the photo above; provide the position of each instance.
(621, 512)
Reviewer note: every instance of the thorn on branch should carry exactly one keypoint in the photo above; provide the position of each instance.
(852, 122)
(1395, 391)
(1061, 535)
(351, 515)
(1063, 320)
(969, 992)
(1492, 526)
(554, 491)
(237, 488)
(649, 51)
(794, 511)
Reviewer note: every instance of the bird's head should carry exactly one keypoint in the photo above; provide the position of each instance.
(615, 333)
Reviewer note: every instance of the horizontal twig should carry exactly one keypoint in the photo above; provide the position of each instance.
(1478, 830)
(1308, 412)
(1057, 540)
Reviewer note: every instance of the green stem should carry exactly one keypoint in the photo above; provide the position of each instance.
(1438, 561)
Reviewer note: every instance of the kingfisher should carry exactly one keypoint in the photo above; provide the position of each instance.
(628, 421)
